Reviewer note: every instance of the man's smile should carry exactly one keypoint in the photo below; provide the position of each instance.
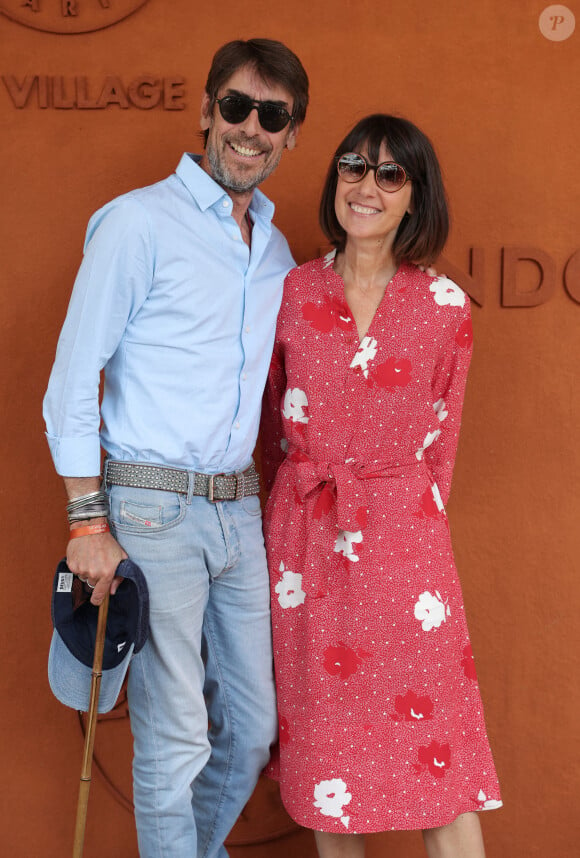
(246, 151)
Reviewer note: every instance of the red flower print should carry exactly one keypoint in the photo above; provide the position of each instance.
(413, 708)
(436, 757)
(427, 506)
(482, 802)
(361, 517)
(323, 317)
(283, 731)
(395, 372)
(300, 428)
(344, 561)
(324, 502)
(464, 335)
(298, 456)
(341, 660)
(468, 663)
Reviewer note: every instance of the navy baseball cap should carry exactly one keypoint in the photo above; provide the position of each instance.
(72, 649)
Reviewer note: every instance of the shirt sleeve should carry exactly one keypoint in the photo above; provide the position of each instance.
(113, 281)
(271, 430)
(449, 380)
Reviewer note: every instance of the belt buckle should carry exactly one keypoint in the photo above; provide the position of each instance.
(210, 488)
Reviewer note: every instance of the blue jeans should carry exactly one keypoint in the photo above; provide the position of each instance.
(201, 691)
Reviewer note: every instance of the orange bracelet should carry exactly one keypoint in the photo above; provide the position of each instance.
(89, 529)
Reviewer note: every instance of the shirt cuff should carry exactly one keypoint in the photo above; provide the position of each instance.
(75, 457)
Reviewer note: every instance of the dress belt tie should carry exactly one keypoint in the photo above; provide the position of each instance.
(339, 482)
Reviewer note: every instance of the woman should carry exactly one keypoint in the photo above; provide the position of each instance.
(381, 724)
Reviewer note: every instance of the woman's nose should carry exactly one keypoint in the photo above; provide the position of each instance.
(368, 181)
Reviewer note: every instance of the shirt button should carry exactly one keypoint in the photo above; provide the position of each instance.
(244, 376)
(247, 329)
(236, 237)
(237, 424)
(225, 204)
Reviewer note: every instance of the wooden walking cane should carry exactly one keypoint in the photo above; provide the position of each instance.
(85, 783)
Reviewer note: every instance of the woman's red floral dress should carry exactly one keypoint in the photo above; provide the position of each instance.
(381, 722)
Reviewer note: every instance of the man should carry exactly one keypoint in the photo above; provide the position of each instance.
(176, 299)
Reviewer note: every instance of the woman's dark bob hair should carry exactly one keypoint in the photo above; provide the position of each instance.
(422, 234)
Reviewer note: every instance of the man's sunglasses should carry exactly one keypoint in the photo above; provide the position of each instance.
(389, 176)
(236, 108)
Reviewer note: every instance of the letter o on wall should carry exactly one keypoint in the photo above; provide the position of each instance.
(572, 277)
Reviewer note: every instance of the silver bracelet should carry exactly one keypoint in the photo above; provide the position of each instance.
(91, 505)
(82, 515)
(86, 500)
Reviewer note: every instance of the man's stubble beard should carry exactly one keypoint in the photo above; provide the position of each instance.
(222, 175)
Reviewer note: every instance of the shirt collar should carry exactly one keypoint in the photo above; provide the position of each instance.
(206, 192)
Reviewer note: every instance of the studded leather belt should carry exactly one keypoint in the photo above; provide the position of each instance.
(214, 487)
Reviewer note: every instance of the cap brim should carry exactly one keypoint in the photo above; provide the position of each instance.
(70, 680)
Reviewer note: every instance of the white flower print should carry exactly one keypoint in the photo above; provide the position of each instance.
(432, 610)
(440, 410)
(295, 403)
(328, 259)
(289, 588)
(330, 797)
(447, 293)
(437, 497)
(366, 352)
(429, 438)
(345, 542)
(486, 803)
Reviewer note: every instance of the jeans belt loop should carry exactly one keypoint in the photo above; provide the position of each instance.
(190, 486)
(210, 487)
(240, 485)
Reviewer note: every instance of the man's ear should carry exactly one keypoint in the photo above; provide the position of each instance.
(205, 118)
(292, 135)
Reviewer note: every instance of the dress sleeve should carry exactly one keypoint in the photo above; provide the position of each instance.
(271, 430)
(449, 380)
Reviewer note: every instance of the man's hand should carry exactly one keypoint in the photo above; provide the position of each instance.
(94, 559)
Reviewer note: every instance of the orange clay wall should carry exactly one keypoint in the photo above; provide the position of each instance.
(88, 112)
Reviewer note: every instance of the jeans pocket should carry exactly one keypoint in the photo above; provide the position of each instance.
(145, 510)
(251, 505)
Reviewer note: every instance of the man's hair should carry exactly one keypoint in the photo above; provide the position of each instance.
(421, 234)
(271, 60)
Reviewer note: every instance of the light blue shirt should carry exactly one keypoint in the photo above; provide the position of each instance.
(181, 314)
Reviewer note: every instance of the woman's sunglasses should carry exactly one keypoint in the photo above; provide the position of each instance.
(389, 176)
(236, 108)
